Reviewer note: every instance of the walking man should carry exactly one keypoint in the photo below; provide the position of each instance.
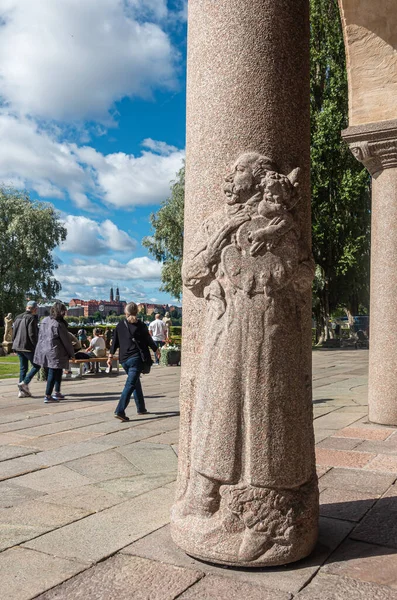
(158, 331)
(25, 336)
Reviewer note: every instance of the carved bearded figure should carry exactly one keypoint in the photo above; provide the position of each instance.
(249, 264)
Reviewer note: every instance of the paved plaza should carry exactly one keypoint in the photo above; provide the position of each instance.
(85, 498)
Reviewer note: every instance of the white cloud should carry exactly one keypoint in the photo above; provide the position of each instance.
(90, 238)
(149, 8)
(126, 180)
(35, 158)
(158, 147)
(102, 274)
(73, 59)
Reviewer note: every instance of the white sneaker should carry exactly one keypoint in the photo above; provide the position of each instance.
(21, 394)
(23, 387)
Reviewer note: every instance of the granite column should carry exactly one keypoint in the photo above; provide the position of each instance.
(375, 145)
(247, 487)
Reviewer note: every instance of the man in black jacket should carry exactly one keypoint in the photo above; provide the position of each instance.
(24, 341)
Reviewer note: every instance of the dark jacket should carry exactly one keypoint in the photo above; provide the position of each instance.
(25, 332)
(123, 339)
(54, 347)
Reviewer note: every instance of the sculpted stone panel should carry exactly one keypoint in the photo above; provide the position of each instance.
(249, 495)
(370, 30)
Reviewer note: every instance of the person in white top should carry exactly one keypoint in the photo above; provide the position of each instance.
(97, 347)
(158, 331)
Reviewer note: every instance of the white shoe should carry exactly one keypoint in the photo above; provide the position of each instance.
(22, 395)
(23, 387)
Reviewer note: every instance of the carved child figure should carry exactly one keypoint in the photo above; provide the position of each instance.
(279, 197)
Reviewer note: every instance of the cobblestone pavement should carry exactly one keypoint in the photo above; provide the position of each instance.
(85, 499)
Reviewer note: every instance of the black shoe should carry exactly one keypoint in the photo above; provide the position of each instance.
(144, 412)
(121, 417)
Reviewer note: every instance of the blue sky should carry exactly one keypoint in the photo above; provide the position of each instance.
(92, 119)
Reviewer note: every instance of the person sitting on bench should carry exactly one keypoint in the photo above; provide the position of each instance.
(97, 348)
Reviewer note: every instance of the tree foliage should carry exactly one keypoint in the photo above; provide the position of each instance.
(166, 244)
(340, 184)
(29, 232)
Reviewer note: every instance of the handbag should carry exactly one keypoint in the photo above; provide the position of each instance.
(145, 357)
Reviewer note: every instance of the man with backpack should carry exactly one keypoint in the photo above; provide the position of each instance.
(24, 341)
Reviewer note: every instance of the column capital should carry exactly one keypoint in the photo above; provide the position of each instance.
(374, 145)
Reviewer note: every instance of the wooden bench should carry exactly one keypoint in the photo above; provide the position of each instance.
(97, 361)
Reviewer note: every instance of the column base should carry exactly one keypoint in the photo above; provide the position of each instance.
(253, 527)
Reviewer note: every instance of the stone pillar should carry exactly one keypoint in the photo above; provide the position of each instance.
(247, 487)
(375, 146)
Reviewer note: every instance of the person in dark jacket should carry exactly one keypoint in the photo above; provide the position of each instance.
(24, 341)
(53, 350)
(132, 337)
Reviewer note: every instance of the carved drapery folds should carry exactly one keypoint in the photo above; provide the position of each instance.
(374, 145)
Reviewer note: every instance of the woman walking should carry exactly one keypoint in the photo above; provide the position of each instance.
(133, 339)
(53, 350)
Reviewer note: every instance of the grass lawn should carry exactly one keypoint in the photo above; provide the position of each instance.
(9, 366)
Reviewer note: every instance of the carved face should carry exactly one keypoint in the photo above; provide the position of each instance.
(240, 182)
(357, 152)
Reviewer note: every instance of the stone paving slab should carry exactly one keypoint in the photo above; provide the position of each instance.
(24, 522)
(103, 466)
(124, 578)
(19, 466)
(100, 535)
(130, 487)
(11, 494)
(340, 443)
(365, 562)
(52, 479)
(159, 546)
(220, 588)
(331, 587)
(9, 452)
(88, 497)
(150, 458)
(340, 458)
(348, 505)
(25, 574)
(57, 440)
(380, 524)
(358, 479)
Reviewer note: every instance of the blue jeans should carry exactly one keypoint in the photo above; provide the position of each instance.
(24, 358)
(133, 367)
(53, 381)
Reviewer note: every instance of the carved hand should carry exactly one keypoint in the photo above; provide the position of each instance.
(220, 239)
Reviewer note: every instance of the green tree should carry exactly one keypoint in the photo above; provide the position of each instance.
(166, 243)
(340, 184)
(29, 232)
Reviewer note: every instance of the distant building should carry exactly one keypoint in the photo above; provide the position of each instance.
(150, 309)
(90, 307)
(75, 311)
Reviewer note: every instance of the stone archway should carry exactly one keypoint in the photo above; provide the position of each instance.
(370, 32)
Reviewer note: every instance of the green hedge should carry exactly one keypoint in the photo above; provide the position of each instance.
(176, 330)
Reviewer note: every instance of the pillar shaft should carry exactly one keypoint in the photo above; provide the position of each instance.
(247, 489)
(375, 145)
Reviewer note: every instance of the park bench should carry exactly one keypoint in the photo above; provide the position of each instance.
(80, 362)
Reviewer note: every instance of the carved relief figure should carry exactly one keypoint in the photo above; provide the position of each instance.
(8, 321)
(249, 264)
